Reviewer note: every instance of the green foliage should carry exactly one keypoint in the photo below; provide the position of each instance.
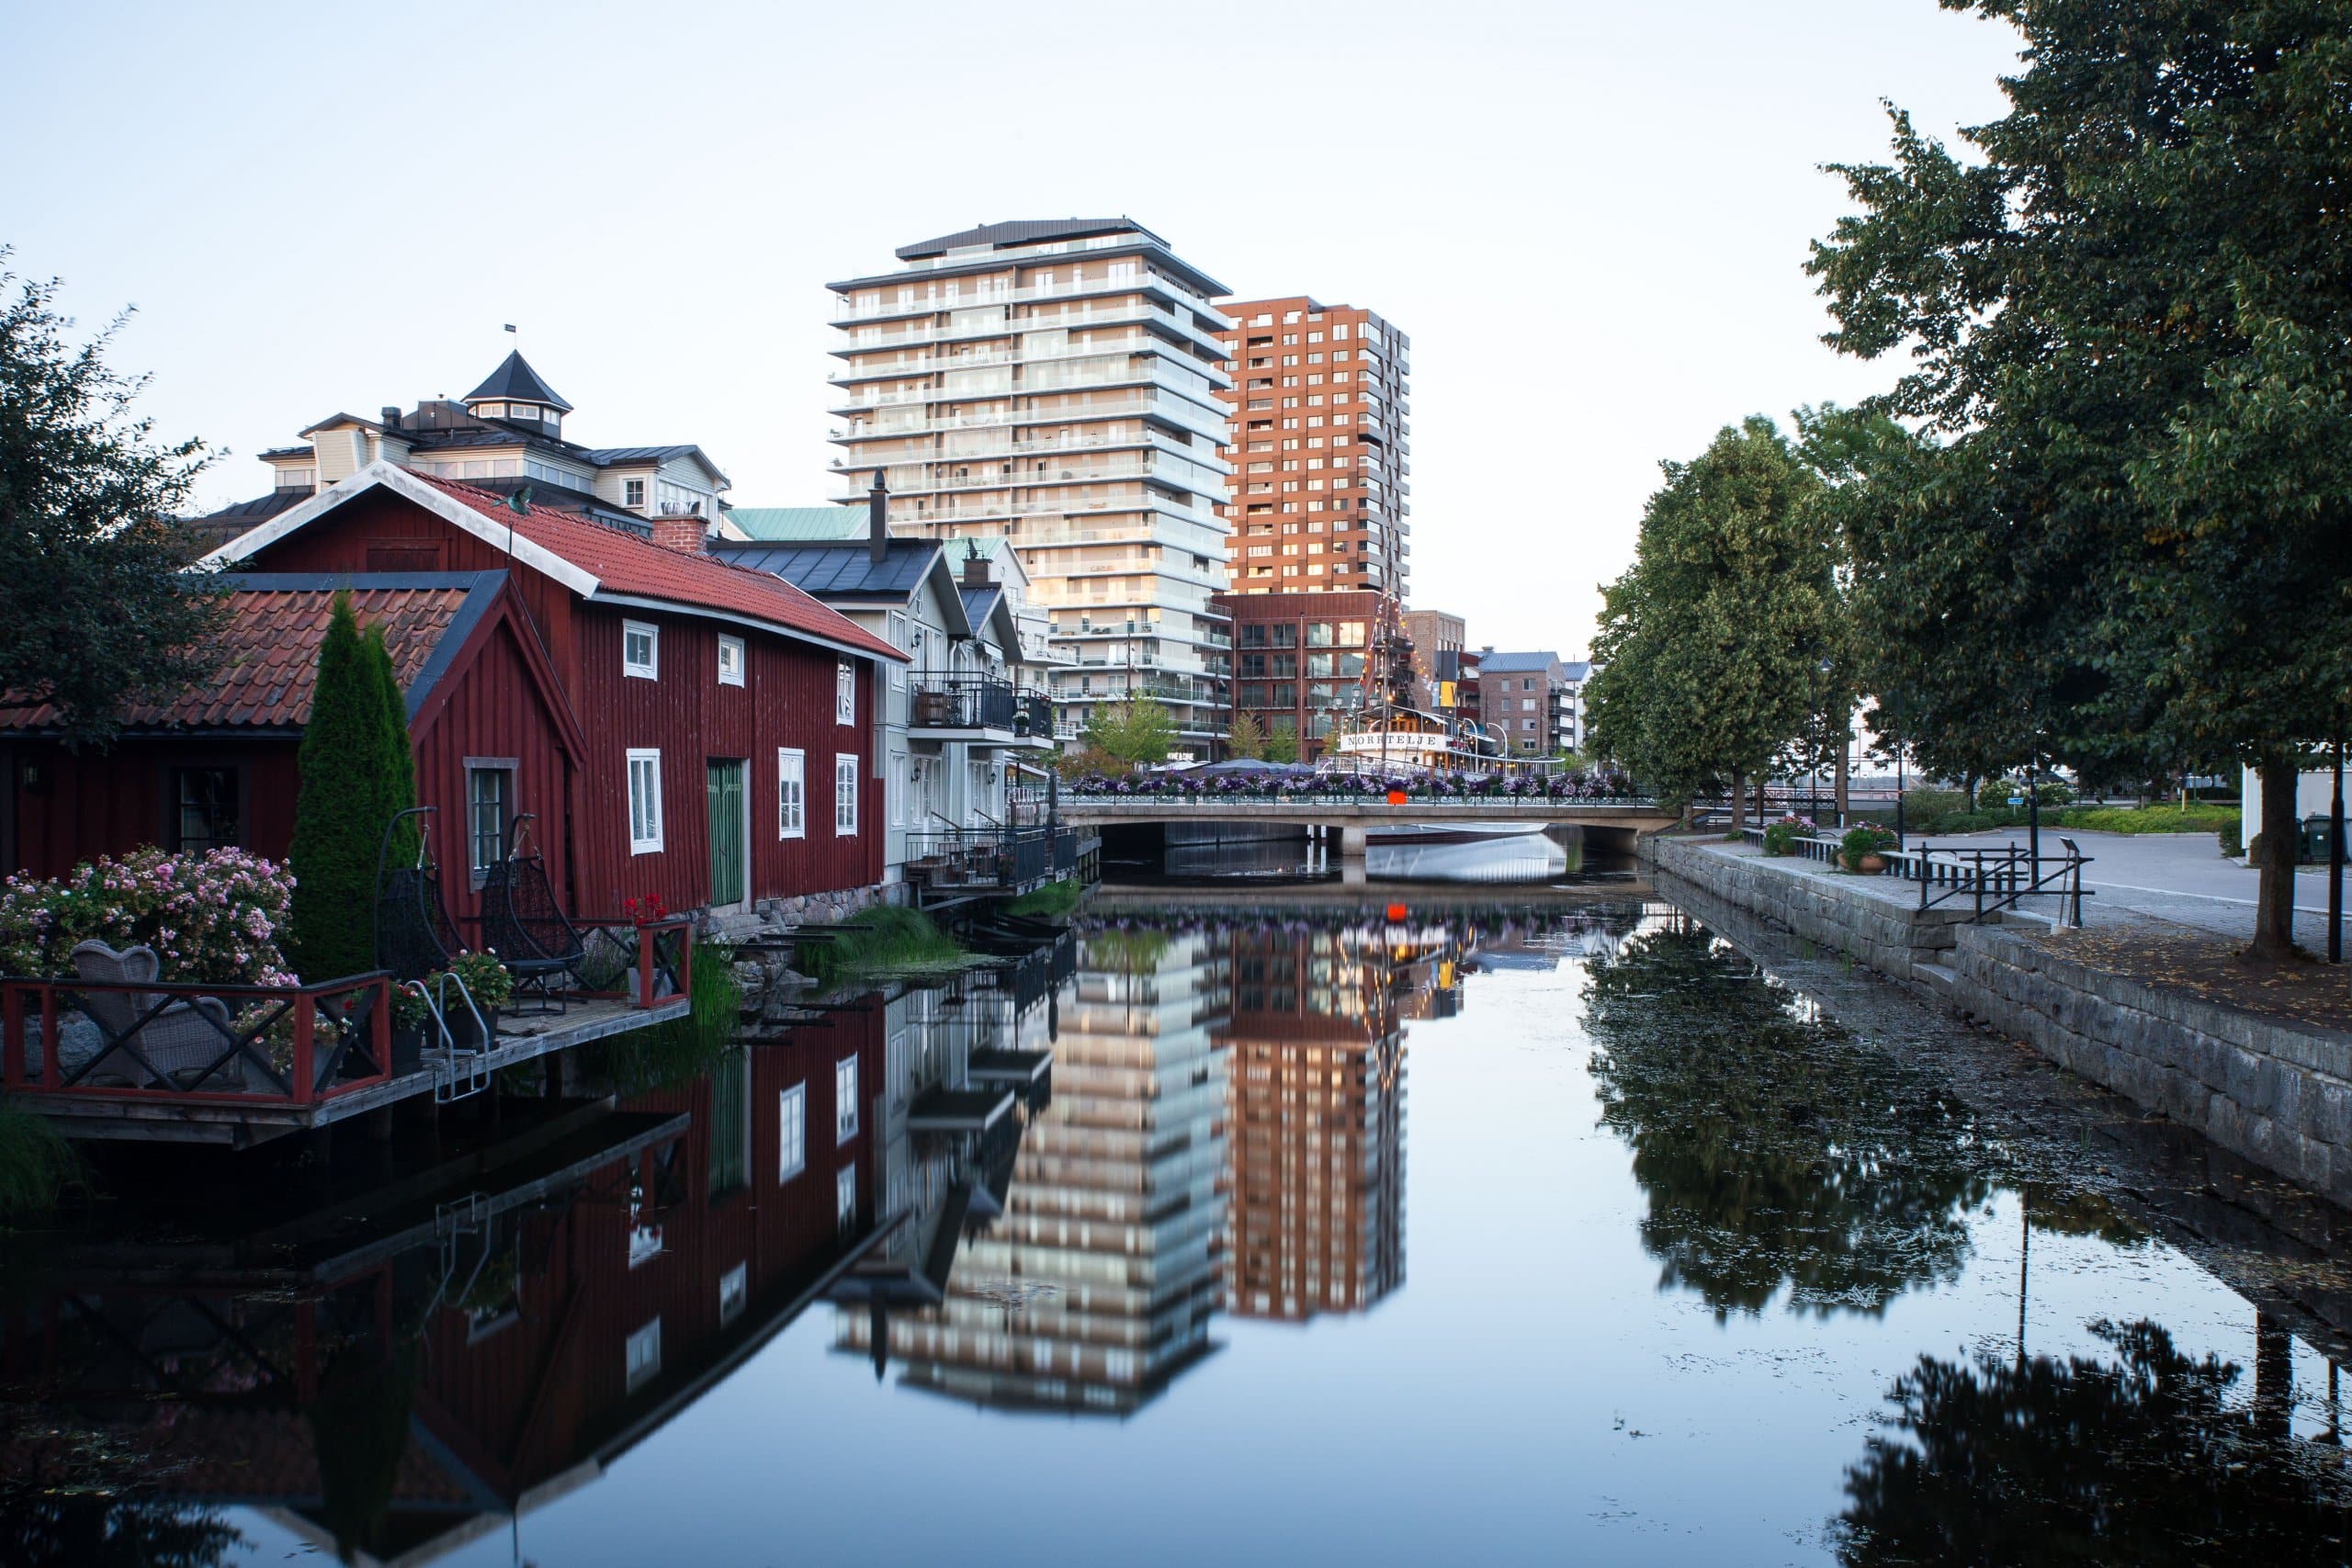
(670, 1053)
(36, 1166)
(1780, 837)
(2125, 522)
(486, 979)
(1245, 740)
(886, 939)
(1711, 644)
(1282, 746)
(1867, 839)
(1136, 730)
(2196, 817)
(356, 773)
(1925, 810)
(2231, 838)
(1053, 901)
(95, 613)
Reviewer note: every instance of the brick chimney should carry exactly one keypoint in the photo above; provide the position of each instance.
(679, 532)
(976, 572)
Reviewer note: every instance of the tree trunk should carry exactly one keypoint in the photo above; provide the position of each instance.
(2274, 857)
(1762, 806)
(1738, 801)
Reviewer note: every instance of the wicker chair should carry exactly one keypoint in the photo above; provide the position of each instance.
(414, 935)
(179, 1046)
(522, 922)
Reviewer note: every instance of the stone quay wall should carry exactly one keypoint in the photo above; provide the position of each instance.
(2278, 1094)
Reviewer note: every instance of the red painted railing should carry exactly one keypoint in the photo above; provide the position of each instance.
(182, 1043)
(662, 953)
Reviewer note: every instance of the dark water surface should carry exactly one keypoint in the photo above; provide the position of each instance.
(1680, 1270)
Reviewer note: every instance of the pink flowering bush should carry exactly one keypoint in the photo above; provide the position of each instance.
(213, 917)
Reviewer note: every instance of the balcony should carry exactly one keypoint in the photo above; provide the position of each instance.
(847, 312)
(978, 710)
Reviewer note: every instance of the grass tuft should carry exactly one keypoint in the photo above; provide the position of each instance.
(36, 1166)
(672, 1052)
(1052, 901)
(886, 939)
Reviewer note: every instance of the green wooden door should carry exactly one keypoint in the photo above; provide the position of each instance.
(730, 875)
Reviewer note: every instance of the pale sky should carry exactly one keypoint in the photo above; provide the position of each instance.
(1591, 217)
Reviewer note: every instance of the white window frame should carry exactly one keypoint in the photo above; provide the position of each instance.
(730, 645)
(792, 1132)
(639, 844)
(845, 691)
(897, 789)
(791, 792)
(901, 639)
(649, 668)
(845, 772)
(845, 1198)
(633, 492)
(844, 1099)
(641, 1355)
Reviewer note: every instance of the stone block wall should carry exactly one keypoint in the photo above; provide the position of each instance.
(2280, 1095)
(1830, 912)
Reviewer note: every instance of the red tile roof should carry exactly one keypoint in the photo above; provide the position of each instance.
(627, 563)
(269, 655)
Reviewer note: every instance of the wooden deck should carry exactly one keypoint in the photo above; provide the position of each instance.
(241, 1121)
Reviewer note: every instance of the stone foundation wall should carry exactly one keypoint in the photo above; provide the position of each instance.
(1894, 940)
(2278, 1095)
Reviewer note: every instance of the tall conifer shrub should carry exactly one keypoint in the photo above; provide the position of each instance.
(356, 771)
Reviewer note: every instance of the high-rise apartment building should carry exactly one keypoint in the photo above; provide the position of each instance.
(1056, 383)
(1320, 447)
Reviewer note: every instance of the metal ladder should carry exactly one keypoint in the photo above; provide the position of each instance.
(457, 1074)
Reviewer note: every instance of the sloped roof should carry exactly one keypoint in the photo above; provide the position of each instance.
(215, 529)
(842, 568)
(599, 561)
(627, 565)
(1517, 663)
(269, 645)
(1576, 668)
(786, 523)
(609, 456)
(978, 601)
(1023, 231)
(515, 379)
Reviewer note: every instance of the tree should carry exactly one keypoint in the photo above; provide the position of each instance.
(1135, 730)
(2127, 486)
(1711, 643)
(1245, 740)
(356, 773)
(1282, 746)
(94, 611)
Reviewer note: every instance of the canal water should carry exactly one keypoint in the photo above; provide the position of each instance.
(1420, 1220)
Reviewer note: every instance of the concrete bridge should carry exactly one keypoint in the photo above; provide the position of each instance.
(1615, 823)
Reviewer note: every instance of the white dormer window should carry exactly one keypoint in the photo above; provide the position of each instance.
(490, 411)
(730, 660)
(846, 693)
(641, 650)
(633, 493)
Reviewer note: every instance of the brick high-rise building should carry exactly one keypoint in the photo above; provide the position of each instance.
(1056, 383)
(1319, 446)
(1298, 661)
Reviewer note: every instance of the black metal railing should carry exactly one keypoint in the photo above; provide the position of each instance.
(1990, 878)
(978, 859)
(978, 702)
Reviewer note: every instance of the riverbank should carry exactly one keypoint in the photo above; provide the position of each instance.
(2275, 1091)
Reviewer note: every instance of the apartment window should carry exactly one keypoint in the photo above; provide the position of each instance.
(845, 1099)
(633, 493)
(205, 809)
(641, 650)
(845, 1198)
(792, 1132)
(844, 795)
(643, 1355)
(897, 789)
(902, 636)
(644, 802)
(791, 792)
(730, 660)
(846, 693)
(489, 807)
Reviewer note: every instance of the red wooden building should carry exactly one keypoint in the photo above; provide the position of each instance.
(678, 728)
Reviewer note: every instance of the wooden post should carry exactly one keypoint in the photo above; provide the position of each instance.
(305, 1020)
(12, 1036)
(379, 1027)
(50, 1053)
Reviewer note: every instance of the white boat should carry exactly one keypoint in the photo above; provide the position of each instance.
(1405, 743)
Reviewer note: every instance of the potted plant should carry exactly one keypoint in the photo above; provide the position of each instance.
(412, 1021)
(1860, 846)
(1780, 836)
(487, 981)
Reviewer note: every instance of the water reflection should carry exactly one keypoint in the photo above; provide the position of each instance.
(1066, 1184)
(2142, 1455)
(1779, 1154)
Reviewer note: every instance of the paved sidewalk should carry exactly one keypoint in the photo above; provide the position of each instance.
(2177, 878)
